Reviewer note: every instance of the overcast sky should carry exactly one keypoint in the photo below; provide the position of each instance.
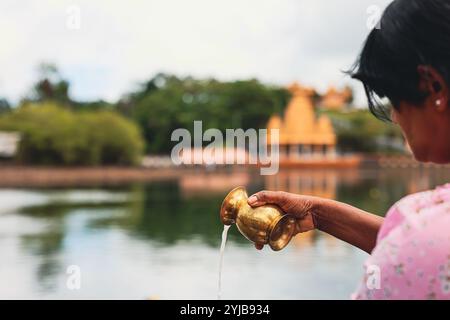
(121, 43)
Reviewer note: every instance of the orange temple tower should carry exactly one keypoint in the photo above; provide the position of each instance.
(302, 134)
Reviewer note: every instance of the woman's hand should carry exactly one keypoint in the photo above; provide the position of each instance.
(301, 207)
(350, 224)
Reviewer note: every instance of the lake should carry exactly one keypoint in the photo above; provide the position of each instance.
(160, 240)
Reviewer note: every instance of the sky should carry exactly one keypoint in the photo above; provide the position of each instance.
(106, 48)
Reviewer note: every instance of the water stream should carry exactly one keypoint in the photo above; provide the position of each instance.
(222, 249)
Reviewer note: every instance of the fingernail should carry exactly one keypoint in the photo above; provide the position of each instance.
(252, 199)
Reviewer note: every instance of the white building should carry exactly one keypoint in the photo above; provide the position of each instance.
(9, 144)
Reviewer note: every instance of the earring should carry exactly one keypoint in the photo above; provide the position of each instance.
(438, 102)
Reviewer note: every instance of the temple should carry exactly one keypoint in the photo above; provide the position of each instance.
(303, 135)
(334, 99)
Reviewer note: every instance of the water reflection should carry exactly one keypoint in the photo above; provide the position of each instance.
(162, 238)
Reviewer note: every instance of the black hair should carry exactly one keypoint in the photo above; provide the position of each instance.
(410, 33)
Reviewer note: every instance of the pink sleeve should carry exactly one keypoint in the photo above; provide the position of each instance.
(392, 220)
(411, 260)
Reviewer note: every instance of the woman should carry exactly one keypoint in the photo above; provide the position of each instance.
(406, 60)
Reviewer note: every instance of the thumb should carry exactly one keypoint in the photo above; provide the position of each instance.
(263, 197)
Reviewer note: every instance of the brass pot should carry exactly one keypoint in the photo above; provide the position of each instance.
(263, 225)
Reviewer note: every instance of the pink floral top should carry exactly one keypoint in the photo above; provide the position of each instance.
(412, 257)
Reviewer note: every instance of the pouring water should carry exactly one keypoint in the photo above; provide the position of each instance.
(222, 249)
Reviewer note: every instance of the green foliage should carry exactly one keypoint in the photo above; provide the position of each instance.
(92, 105)
(50, 86)
(52, 135)
(166, 103)
(71, 132)
(4, 106)
(360, 131)
(111, 138)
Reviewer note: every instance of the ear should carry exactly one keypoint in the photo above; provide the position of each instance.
(432, 82)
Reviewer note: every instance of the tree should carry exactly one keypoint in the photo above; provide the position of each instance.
(50, 86)
(54, 135)
(360, 131)
(167, 102)
(4, 106)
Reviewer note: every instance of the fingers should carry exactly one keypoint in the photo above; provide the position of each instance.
(263, 197)
(259, 246)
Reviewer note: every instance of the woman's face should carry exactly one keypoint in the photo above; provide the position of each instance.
(426, 129)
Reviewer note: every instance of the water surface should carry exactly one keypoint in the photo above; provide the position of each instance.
(161, 240)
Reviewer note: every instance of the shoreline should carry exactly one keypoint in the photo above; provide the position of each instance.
(16, 176)
(30, 176)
